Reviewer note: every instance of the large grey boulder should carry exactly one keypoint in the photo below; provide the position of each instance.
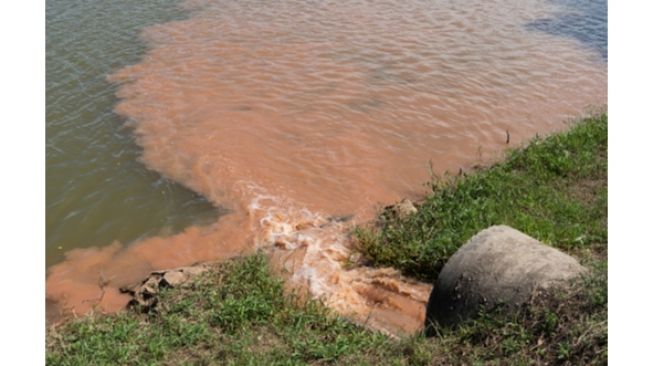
(498, 266)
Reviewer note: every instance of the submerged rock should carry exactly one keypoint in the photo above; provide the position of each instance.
(498, 266)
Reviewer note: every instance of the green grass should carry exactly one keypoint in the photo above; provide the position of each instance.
(555, 190)
(238, 314)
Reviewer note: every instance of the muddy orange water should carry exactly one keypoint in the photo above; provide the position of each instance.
(292, 113)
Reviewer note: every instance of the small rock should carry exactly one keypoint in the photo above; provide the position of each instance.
(175, 278)
(405, 208)
(144, 294)
(400, 210)
(498, 266)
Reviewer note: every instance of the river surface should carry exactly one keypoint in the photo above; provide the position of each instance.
(186, 132)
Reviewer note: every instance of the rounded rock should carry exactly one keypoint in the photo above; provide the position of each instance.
(498, 266)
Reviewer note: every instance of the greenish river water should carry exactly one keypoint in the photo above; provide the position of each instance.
(97, 190)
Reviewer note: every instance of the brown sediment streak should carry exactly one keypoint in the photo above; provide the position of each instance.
(90, 279)
(292, 114)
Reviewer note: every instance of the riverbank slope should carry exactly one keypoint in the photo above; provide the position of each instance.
(555, 190)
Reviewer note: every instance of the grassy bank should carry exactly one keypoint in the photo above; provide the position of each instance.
(554, 190)
(236, 314)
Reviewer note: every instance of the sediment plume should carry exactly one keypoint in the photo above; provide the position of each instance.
(290, 116)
